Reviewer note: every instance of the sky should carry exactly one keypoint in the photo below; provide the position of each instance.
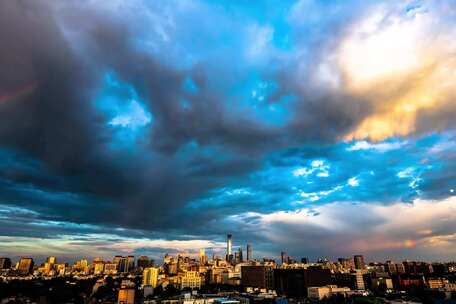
(319, 128)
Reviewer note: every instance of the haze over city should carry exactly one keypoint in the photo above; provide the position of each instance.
(319, 128)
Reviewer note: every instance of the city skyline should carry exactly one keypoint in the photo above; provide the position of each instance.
(131, 280)
(158, 261)
(319, 128)
(222, 254)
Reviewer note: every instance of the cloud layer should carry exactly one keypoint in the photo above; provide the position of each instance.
(159, 123)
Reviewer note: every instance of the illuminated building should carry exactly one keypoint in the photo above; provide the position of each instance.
(126, 293)
(359, 262)
(345, 263)
(51, 260)
(437, 283)
(150, 277)
(319, 293)
(98, 267)
(25, 266)
(110, 268)
(202, 256)
(381, 283)
(358, 280)
(229, 248)
(190, 279)
(47, 268)
(82, 265)
(354, 280)
(400, 268)
(61, 268)
(173, 268)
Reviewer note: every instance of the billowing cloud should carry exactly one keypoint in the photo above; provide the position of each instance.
(159, 123)
(334, 230)
(403, 59)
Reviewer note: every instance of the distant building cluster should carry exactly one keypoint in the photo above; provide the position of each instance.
(141, 278)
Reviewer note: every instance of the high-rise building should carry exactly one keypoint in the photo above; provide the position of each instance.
(116, 260)
(358, 280)
(283, 257)
(249, 252)
(202, 256)
(110, 268)
(125, 264)
(25, 266)
(5, 263)
(131, 263)
(390, 267)
(359, 261)
(400, 268)
(150, 277)
(238, 256)
(122, 265)
(126, 293)
(82, 265)
(190, 279)
(51, 260)
(346, 263)
(257, 276)
(229, 247)
(294, 282)
(98, 267)
(144, 262)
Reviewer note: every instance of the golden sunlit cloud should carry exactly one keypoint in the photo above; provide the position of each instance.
(402, 66)
(384, 227)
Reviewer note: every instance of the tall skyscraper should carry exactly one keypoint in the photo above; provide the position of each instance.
(25, 266)
(202, 256)
(229, 247)
(249, 252)
(359, 261)
(238, 256)
(144, 262)
(150, 276)
(51, 260)
(116, 260)
(283, 257)
(358, 279)
(131, 263)
(5, 263)
(122, 266)
(229, 244)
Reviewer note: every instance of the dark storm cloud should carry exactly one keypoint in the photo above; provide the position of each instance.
(56, 123)
(61, 160)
